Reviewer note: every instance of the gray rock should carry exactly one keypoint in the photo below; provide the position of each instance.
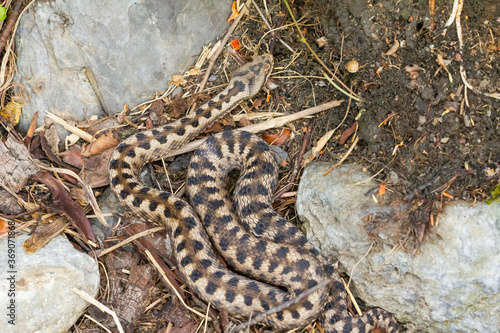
(44, 301)
(452, 285)
(100, 55)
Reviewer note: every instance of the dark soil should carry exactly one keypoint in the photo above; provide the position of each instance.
(430, 141)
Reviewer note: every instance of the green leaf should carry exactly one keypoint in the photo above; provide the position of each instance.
(495, 195)
(3, 13)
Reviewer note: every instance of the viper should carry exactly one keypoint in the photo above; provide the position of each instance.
(270, 260)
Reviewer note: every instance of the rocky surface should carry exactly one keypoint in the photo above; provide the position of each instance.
(44, 300)
(79, 56)
(451, 285)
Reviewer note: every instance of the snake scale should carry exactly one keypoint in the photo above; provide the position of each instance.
(272, 261)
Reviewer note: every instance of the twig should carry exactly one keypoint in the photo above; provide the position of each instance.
(262, 126)
(211, 64)
(270, 28)
(130, 239)
(298, 161)
(100, 306)
(303, 40)
(343, 157)
(155, 263)
(4, 83)
(9, 23)
(463, 74)
(75, 130)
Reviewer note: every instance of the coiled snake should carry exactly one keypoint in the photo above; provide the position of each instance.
(270, 254)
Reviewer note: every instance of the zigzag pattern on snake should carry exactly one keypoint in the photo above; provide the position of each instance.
(267, 253)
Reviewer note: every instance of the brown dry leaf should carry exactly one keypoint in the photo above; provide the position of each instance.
(78, 194)
(193, 71)
(413, 71)
(393, 48)
(413, 68)
(156, 109)
(244, 121)
(63, 204)
(149, 123)
(96, 173)
(257, 103)
(448, 195)
(73, 156)
(348, 132)
(228, 121)
(108, 140)
(278, 138)
(48, 149)
(315, 151)
(178, 80)
(215, 128)
(178, 107)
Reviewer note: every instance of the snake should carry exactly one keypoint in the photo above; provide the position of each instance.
(237, 254)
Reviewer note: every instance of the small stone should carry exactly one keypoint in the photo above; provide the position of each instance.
(43, 283)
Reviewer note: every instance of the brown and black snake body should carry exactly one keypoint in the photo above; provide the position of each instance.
(271, 259)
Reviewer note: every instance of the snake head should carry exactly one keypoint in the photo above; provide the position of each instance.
(253, 75)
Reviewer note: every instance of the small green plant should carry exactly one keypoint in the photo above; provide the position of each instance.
(495, 194)
(3, 13)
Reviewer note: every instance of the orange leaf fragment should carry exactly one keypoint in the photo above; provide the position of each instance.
(3, 227)
(381, 190)
(279, 138)
(448, 195)
(235, 44)
(234, 13)
(105, 141)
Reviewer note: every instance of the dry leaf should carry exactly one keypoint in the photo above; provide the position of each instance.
(235, 44)
(381, 190)
(215, 128)
(12, 112)
(393, 48)
(31, 130)
(448, 195)
(108, 140)
(193, 71)
(315, 151)
(348, 132)
(73, 156)
(4, 227)
(178, 80)
(257, 103)
(321, 41)
(234, 12)
(279, 138)
(244, 121)
(96, 173)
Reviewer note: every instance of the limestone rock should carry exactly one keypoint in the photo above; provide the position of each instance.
(42, 283)
(97, 56)
(452, 285)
